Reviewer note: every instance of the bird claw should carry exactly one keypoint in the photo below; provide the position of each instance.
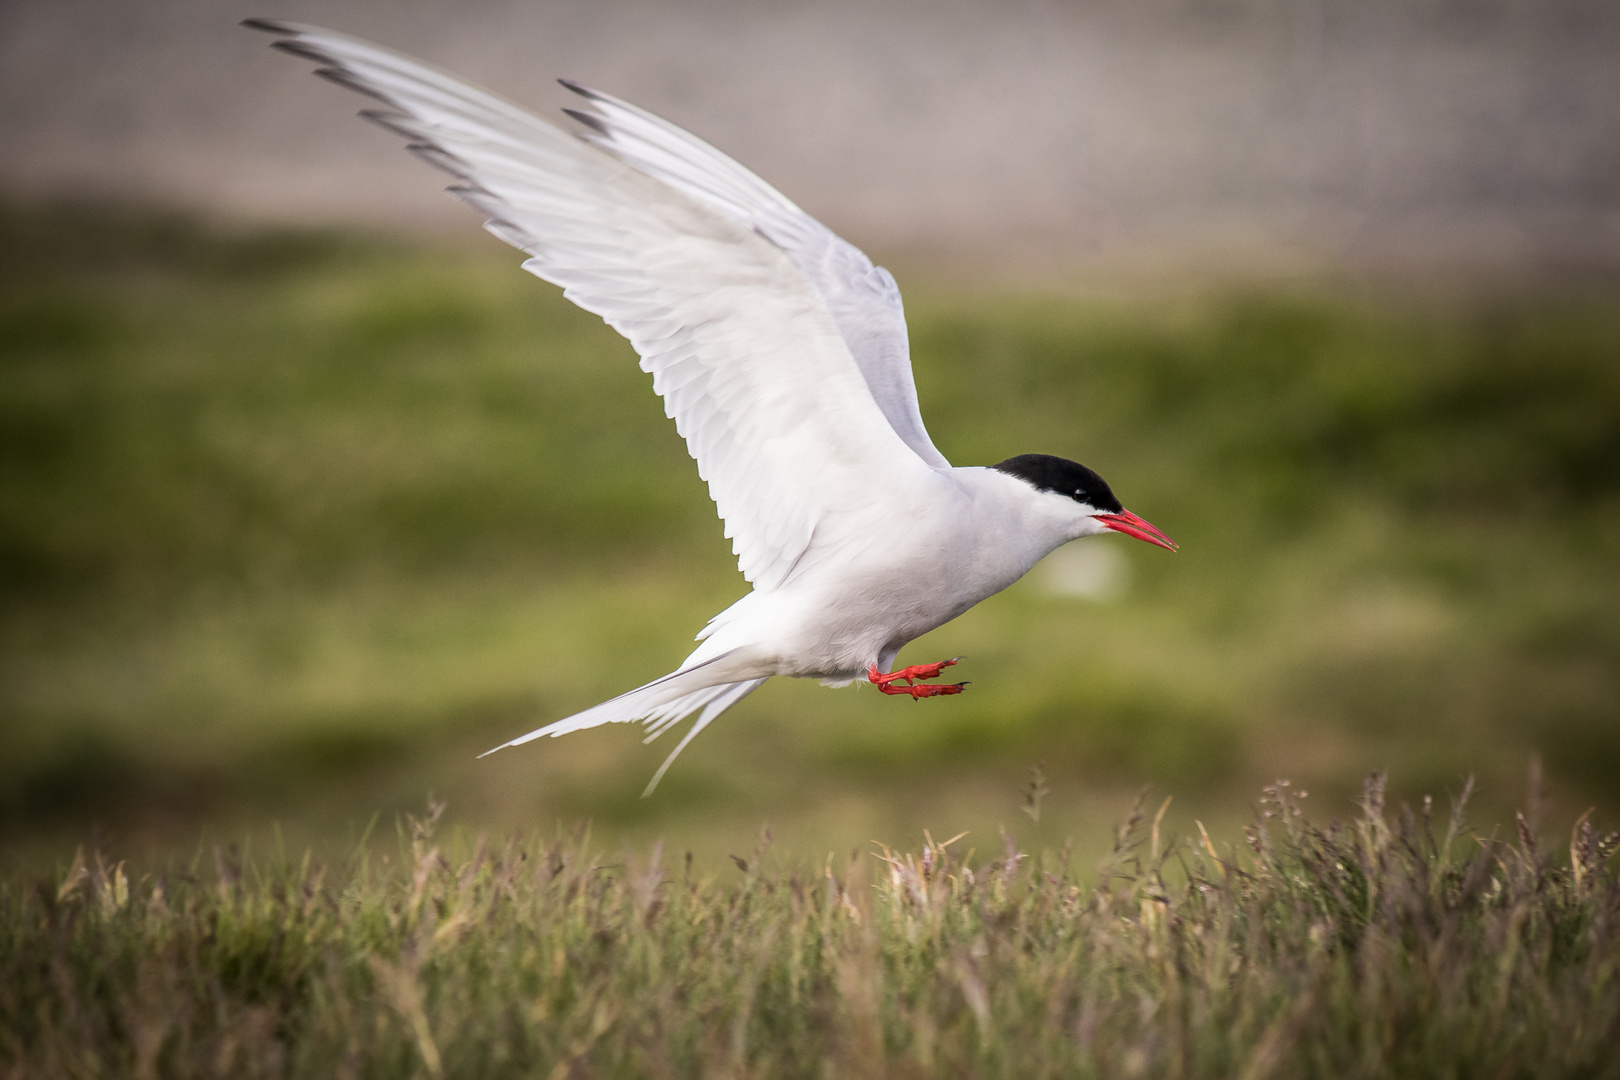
(924, 671)
(909, 675)
(933, 690)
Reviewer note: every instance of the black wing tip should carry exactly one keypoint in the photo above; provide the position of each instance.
(303, 50)
(583, 91)
(349, 81)
(269, 26)
(392, 119)
(445, 161)
(589, 119)
(475, 194)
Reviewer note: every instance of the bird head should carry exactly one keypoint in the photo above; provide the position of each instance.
(1094, 501)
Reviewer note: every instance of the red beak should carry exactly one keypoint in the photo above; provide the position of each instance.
(1131, 525)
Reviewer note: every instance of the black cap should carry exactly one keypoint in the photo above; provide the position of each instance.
(1062, 477)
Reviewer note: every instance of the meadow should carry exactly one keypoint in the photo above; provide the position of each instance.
(293, 524)
(1399, 943)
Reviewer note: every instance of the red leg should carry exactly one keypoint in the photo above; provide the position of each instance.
(907, 675)
(935, 689)
(922, 671)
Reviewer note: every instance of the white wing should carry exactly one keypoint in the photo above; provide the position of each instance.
(742, 348)
(863, 299)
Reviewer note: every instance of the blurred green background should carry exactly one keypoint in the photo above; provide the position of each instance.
(293, 524)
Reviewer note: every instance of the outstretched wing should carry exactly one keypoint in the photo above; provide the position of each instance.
(742, 347)
(863, 299)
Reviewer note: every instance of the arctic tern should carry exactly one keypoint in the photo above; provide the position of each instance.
(780, 352)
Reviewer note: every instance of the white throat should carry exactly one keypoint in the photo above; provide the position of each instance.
(1016, 525)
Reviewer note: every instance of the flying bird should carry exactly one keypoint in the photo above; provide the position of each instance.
(780, 352)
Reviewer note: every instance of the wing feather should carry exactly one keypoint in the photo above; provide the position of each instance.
(862, 298)
(744, 345)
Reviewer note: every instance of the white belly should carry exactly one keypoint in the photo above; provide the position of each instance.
(842, 616)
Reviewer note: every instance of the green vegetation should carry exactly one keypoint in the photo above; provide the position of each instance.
(292, 525)
(1395, 945)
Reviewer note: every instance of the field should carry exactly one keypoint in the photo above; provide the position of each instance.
(1400, 944)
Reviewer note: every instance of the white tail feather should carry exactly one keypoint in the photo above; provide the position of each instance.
(722, 698)
(659, 704)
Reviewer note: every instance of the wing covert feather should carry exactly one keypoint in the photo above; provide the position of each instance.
(863, 299)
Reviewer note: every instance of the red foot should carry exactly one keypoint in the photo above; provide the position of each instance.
(919, 671)
(908, 675)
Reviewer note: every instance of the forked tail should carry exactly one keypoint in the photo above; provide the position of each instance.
(660, 705)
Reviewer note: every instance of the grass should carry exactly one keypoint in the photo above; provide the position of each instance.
(1394, 944)
(294, 524)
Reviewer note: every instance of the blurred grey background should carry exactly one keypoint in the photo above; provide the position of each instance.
(1453, 131)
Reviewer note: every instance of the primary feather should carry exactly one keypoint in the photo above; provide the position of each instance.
(743, 348)
(863, 299)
